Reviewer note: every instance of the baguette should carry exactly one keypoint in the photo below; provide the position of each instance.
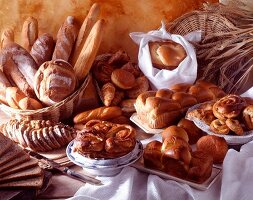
(89, 50)
(66, 37)
(4, 83)
(7, 37)
(84, 31)
(42, 49)
(29, 33)
(101, 113)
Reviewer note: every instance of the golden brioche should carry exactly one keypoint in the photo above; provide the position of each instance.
(201, 93)
(175, 131)
(193, 132)
(216, 146)
(181, 87)
(186, 100)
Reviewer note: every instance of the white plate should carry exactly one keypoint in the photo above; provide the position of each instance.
(231, 139)
(203, 186)
(103, 170)
(135, 119)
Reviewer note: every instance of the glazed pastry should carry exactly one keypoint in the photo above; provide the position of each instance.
(108, 93)
(229, 106)
(219, 126)
(202, 94)
(203, 115)
(248, 116)
(123, 79)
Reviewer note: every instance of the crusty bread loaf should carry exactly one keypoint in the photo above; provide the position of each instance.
(6, 37)
(166, 54)
(19, 67)
(66, 37)
(42, 48)
(84, 31)
(101, 113)
(54, 81)
(13, 152)
(89, 50)
(29, 33)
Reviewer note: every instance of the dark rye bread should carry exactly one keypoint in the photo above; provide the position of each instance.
(15, 162)
(13, 151)
(5, 143)
(35, 182)
(22, 175)
(20, 167)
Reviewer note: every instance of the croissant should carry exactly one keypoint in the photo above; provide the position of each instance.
(39, 135)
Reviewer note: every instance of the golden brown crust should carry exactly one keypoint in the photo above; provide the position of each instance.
(185, 99)
(102, 72)
(127, 105)
(101, 113)
(166, 54)
(108, 91)
(164, 93)
(181, 87)
(202, 94)
(54, 81)
(216, 146)
(141, 85)
(219, 126)
(248, 116)
(229, 106)
(130, 67)
(175, 131)
(123, 79)
(235, 126)
(203, 115)
(29, 103)
(13, 96)
(29, 33)
(193, 132)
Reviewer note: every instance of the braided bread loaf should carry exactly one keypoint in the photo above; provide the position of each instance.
(39, 135)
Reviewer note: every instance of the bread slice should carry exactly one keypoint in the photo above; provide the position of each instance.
(35, 182)
(13, 152)
(25, 174)
(5, 143)
(15, 162)
(20, 167)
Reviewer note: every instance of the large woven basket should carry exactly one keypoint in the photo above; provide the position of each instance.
(58, 112)
(225, 51)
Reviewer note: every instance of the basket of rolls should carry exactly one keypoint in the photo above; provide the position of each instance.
(46, 78)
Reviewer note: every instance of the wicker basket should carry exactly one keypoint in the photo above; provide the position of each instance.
(224, 53)
(58, 112)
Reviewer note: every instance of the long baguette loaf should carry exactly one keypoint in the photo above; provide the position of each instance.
(89, 50)
(66, 37)
(101, 113)
(84, 31)
(43, 48)
(7, 37)
(29, 33)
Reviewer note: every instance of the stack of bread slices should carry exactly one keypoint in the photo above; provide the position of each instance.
(17, 168)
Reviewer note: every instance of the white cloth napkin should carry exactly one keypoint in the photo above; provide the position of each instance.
(237, 177)
(132, 184)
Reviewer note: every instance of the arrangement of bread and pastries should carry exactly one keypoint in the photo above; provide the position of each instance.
(44, 70)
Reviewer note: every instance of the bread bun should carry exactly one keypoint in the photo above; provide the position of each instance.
(164, 93)
(123, 79)
(181, 87)
(152, 155)
(216, 146)
(248, 117)
(29, 103)
(13, 96)
(175, 131)
(193, 132)
(54, 81)
(130, 67)
(166, 55)
(186, 100)
(201, 93)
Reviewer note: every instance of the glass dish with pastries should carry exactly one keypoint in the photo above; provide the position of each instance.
(104, 148)
(229, 117)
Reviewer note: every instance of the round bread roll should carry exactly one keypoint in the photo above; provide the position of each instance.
(175, 131)
(123, 79)
(216, 146)
(164, 93)
(193, 132)
(54, 81)
(167, 54)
